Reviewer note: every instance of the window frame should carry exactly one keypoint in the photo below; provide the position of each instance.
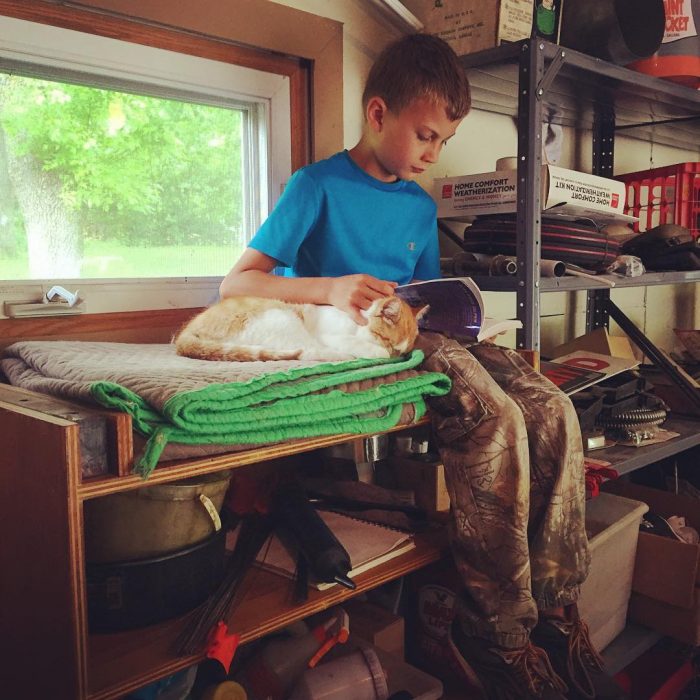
(154, 293)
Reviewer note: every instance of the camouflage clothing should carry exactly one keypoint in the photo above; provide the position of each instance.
(511, 445)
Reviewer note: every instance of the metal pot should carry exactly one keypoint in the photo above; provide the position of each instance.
(154, 520)
(125, 595)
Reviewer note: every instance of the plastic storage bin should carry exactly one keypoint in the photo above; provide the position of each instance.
(669, 195)
(403, 676)
(612, 523)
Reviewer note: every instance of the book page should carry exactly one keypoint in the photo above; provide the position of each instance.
(368, 544)
(455, 303)
(492, 327)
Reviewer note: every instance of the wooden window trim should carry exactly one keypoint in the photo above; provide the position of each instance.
(92, 21)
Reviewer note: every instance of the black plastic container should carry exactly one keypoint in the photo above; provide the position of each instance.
(130, 594)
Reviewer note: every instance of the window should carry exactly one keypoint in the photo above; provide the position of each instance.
(120, 161)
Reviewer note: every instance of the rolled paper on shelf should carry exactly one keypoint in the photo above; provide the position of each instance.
(465, 263)
(510, 163)
(552, 268)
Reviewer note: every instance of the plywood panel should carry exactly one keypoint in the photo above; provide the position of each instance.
(105, 440)
(123, 327)
(42, 622)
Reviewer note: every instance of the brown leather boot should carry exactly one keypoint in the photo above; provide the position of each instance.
(506, 674)
(568, 645)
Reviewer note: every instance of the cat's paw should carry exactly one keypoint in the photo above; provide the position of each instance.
(371, 351)
(325, 355)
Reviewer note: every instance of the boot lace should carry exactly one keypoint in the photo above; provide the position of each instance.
(580, 646)
(532, 666)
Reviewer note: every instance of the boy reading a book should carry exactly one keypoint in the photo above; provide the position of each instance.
(347, 230)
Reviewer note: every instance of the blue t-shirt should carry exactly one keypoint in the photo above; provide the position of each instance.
(334, 219)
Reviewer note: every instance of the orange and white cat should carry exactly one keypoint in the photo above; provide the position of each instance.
(246, 329)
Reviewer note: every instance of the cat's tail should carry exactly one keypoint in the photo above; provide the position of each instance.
(189, 345)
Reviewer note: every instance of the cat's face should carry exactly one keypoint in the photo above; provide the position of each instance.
(394, 324)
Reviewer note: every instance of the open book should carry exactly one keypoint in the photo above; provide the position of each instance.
(581, 369)
(456, 307)
(368, 545)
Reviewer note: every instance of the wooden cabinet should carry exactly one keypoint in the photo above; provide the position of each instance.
(44, 617)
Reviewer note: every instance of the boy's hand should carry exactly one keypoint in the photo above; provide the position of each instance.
(352, 293)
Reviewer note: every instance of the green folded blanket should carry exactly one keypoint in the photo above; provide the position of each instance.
(178, 399)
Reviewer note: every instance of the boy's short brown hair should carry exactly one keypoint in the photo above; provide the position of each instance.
(419, 66)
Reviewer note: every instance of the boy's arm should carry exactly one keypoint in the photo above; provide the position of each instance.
(251, 276)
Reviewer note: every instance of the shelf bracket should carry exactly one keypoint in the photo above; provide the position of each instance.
(550, 73)
(678, 377)
(596, 309)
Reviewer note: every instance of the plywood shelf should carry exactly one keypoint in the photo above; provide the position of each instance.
(266, 606)
(185, 468)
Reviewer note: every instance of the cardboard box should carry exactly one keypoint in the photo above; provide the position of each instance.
(658, 674)
(471, 25)
(563, 192)
(599, 341)
(426, 480)
(666, 581)
(376, 625)
(667, 390)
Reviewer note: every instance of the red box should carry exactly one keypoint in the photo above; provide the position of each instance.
(658, 674)
(669, 195)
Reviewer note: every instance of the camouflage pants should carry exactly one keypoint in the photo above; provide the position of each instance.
(511, 446)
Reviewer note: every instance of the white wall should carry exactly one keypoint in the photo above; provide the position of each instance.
(365, 32)
(482, 139)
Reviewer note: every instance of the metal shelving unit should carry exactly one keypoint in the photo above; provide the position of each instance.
(534, 79)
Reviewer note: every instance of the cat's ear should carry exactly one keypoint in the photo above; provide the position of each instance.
(391, 310)
(420, 311)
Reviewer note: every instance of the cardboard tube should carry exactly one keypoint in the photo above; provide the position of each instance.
(552, 268)
(510, 163)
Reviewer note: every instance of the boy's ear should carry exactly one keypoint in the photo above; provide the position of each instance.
(376, 110)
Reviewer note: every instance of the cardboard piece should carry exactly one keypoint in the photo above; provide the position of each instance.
(665, 388)
(472, 25)
(599, 341)
(426, 479)
(376, 625)
(666, 582)
(563, 192)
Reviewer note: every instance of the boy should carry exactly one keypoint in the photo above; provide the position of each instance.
(348, 230)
